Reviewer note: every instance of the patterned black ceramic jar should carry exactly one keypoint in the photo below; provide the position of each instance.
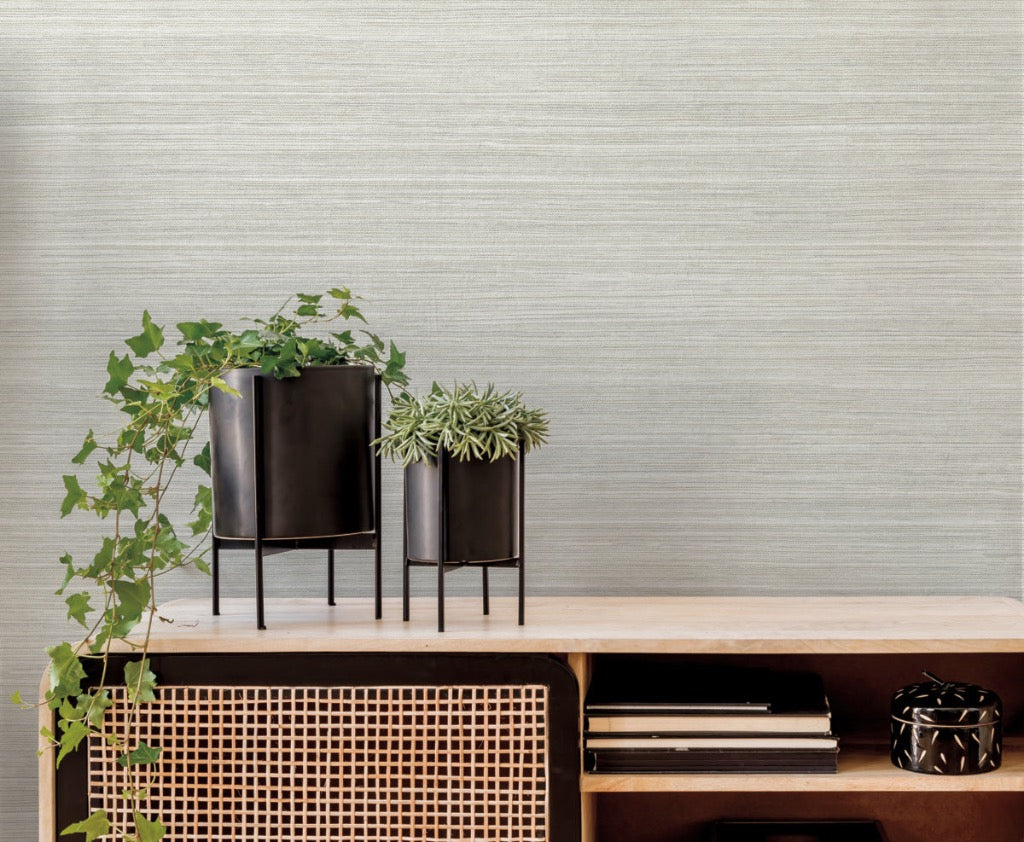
(943, 728)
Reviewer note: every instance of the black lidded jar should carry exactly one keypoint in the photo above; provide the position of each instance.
(946, 728)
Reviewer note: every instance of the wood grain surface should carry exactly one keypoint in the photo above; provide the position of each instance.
(862, 768)
(589, 624)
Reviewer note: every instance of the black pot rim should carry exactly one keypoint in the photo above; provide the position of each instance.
(347, 364)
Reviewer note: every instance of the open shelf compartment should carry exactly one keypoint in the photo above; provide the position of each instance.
(968, 808)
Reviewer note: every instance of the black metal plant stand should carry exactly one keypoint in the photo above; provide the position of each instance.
(443, 563)
(263, 546)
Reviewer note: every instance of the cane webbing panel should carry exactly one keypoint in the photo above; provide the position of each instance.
(368, 764)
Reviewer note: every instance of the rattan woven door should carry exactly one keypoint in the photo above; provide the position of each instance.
(382, 748)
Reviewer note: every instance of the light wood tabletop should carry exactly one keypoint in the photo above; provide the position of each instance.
(664, 624)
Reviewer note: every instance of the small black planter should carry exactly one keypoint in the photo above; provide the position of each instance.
(464, 513)
(483, 510)
(293, 466)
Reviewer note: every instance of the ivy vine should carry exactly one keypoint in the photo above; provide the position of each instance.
(162, 398)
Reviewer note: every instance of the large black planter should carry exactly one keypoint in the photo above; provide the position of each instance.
(464, 513)
(293, 466)
(317, 456)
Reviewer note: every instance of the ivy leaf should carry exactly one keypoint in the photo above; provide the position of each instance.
(66, 673)
(133, 402)
(120, 371)
(397, 357)
(95, 706)
(78, 607)
(120, 496)
(69, 572)
(139, 681)
(74, 731)
(194, 331)
(170, 548)
(202, 566)
(221, 384)
(144, 755)
(151, 338)
(16, 699)
(204, 506)
(202, 459)
(288, 351)
(102, 560)
(350, 311)
(88, 447)
(133, 597)
(307, 310)
(76, 496)
(249, 341)
(94, 827)
(393, 371)
(149, 831)
(308, 299)
(367, 353)
(341, 294)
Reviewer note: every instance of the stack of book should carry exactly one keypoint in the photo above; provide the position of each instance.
(678, 718)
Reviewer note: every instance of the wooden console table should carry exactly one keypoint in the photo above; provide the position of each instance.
(864, 648)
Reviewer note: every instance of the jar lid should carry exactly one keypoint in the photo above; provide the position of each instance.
(945, 703)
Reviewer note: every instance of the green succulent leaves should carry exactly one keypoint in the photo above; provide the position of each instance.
(161, 398)
(467, 422)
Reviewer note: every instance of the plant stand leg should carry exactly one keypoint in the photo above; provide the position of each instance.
(259, 584)
(405, 589)
(487, 593)
(378, 581)
(522, 591)
(330, 577)
(405, 549)
(260, 522)
(378, 602)
(215, 571)
(442, 523)
(522, 534)
(440, 595)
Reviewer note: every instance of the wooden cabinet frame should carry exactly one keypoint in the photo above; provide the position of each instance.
(864, 647)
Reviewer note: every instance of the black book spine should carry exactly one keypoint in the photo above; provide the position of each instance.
(782, 761)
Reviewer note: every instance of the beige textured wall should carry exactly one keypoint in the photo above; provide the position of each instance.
(761, 261)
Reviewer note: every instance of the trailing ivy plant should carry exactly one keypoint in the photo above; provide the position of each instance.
(162, 397)
(468, 422)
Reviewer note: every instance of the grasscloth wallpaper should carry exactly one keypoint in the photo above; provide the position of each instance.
(761, 261)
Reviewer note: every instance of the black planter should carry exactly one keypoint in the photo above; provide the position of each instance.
(460, 514)
(293, 467)
(482, 510)
(318, 464)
